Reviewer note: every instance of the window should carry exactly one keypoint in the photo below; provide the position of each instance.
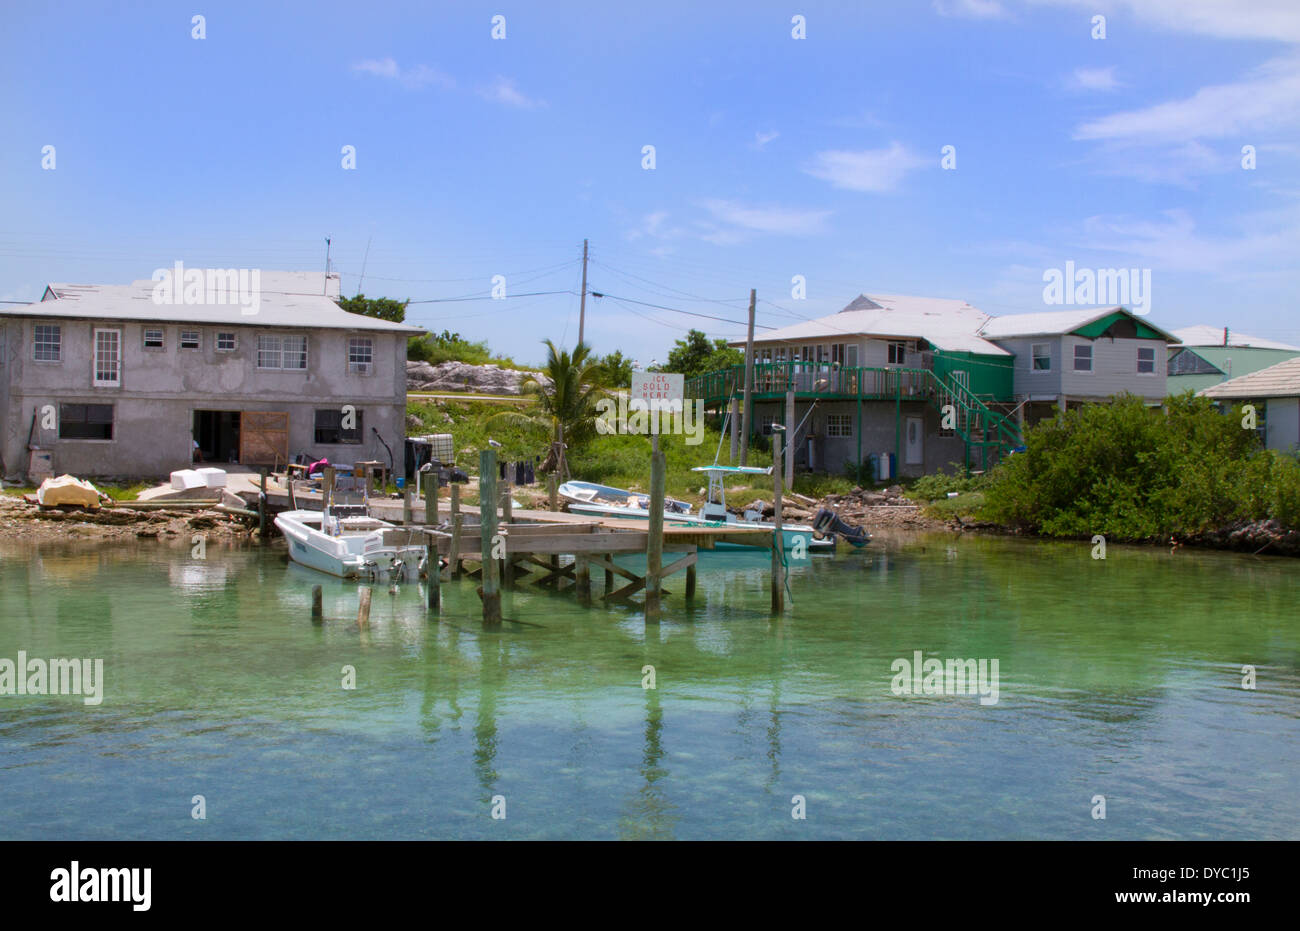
(47, 344)
(780, 354)
(897, 353)
(85, 421)
(765, 355)
(225, 342)
(1083, 357)
(837, 353)
(153, 339)
(282, 352)
(361, 351)
(190, 339)
(1042, 356)
(330, 429)
(107, 368)
(1146, 360)
(839, 425)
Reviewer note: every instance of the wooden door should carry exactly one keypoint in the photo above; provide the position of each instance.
(263, 438)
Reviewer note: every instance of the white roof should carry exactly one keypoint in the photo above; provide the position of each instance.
(284, 299)
(1202, 335)
(946, 324)
(1276, 381)
(1053, 323)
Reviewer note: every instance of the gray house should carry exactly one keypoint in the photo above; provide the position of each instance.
(1068, 358)
(109, 380)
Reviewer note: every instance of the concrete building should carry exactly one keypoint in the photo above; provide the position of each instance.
(107, 381)
(1275, 394)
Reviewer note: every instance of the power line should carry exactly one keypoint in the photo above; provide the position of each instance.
(675, 310)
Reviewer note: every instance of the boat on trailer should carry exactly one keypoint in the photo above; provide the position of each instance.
(345, 541)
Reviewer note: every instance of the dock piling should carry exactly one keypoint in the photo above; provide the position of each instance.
(778, 537)
(317, 614)
(490, 591)
(654, 556)
(553, 491)
(406, 504)
(434, 574)
(431, 499)
(363, 608)
(261, 506)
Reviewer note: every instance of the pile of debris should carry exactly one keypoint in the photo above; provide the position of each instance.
(886, 507)
(1255, 536)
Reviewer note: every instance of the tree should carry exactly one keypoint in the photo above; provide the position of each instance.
(383, 308)
(618, 369)
(696, 355)
(567, 390)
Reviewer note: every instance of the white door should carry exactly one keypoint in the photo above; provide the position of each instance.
(912, 455)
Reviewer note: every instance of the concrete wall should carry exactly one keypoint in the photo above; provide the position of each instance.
(160, 389)
(832, 454)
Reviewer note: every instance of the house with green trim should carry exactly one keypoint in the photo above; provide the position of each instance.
(1274, 392)
(909, 385)
(1211, 355)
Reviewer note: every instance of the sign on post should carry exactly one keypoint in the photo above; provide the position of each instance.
(659, 389)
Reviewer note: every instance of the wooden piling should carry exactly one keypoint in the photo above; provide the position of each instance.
(609, 581)
(582, 577)
(261, 506)
(434, 574)
(734, 422)
(317, 614)
(327, 487)
(490, 591)
(654, 556)
(431, 499)
(690, 582)
(406, 504)
(507, 517)
(453, 557)
(553, 491)
(778, 538)
(363, 608)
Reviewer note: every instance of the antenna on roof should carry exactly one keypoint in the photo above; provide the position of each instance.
(363, 265)
(327, 266)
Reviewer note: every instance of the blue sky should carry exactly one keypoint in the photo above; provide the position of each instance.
(775, 156)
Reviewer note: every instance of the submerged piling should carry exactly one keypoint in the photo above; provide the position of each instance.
(317, 615)
(363, 608)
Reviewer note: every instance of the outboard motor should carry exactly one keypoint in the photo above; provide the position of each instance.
(828, 522)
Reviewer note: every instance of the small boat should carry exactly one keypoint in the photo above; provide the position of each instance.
(345, 541)
(586, 493)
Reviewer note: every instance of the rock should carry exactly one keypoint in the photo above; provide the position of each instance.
(460, 376)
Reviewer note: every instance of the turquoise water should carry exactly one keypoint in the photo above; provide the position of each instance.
(1119, 678)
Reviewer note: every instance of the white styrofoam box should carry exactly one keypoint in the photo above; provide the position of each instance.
(185, 479)
(213, 477)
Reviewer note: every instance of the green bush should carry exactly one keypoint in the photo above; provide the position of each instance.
(1131, 472)
(938, 485)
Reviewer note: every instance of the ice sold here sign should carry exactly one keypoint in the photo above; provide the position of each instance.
(658, 389)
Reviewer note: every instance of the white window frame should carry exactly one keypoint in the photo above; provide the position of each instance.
(1152, 350)
(234, 339)
(1077, 347)
(839, 426)
(115, 382)
(57, 343)
(162, 338)
(1034, 356)
(198, 339)
(355, 365)
(280, 351)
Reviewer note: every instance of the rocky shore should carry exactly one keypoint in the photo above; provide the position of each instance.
(28, 522)
(461, 376)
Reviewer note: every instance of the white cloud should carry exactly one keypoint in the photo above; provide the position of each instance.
(971, 9)
(1225, 19)
(1093, 79)
(762, 139)
(871, 170)
(1270, 98)
(412, 78)
(503, 91)
(790, 221)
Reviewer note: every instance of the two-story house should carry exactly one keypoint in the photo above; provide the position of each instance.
(111, 382)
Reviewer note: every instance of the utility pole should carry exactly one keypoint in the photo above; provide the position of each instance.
(582, 301)
(747, 423)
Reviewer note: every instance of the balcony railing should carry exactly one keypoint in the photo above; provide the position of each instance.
(815, 379)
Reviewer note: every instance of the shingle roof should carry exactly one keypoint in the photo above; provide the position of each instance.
(1202, 335)
(285, 299)
(946, 324)
(1276, 381)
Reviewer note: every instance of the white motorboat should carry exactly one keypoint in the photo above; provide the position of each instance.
(616, 499)
(345, 541)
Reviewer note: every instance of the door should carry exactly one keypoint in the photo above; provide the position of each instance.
(913, 454)
(263, 438)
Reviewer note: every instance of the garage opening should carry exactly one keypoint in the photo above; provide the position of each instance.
(217, 436)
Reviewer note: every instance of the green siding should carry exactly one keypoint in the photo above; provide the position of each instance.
(1098, 327)
(991, 377)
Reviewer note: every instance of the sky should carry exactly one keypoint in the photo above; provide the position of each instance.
(776, 158)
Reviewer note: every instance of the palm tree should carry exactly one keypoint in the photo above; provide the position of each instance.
(567, 390)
